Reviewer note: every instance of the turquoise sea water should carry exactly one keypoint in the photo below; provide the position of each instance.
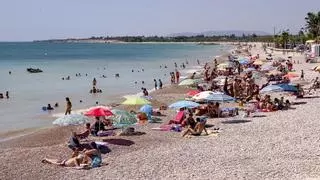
(29, 92)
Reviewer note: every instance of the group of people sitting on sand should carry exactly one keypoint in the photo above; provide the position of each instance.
(81, 156)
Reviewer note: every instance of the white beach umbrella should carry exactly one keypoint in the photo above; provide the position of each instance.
(213, 96)
(72, 119)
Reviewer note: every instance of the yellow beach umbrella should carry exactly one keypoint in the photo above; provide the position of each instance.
(135, 100)
(258, 62)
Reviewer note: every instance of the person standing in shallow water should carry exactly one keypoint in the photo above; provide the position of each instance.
(69, 106)
(7, 94)
(94, 82)
(160, 84)
(155, 84)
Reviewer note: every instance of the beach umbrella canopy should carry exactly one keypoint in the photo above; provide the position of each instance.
(123, 118)
(225, 65)
(71, 119)
(102, 107)
(279, 88)
(192, 92)
(213, 96)
(249, 69)
(267, 67)
(146, 109)
(258, 62)
(244, 61)
(291, 75)
(189, 82)
(97, 112)
(184, 104)
(274, 72)
(135, 100)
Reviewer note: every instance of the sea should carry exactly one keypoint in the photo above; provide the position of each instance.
(134, 62)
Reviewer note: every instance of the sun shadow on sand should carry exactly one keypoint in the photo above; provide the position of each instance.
(299, 103)
(209, 125)
(236, 121)
(257, 116)
(120, 142)
(310, 97)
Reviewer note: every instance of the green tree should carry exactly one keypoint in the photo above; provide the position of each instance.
(313, 24)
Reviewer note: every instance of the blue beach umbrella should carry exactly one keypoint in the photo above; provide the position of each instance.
(184, 104)
(244, 61)
(72, 119)
(147, 109)
(279, 88)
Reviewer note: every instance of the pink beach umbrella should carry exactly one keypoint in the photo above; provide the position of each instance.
(99, 112)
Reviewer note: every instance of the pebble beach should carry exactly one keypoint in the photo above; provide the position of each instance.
(274, 145)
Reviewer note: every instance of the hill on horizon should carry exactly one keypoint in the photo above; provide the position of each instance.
(237, 33)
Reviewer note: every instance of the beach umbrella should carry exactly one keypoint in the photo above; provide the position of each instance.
(244, 61)
(274, 72)
(258, 62)
(249, 69)
(97, 112)
(184, 104)
(123, 118)
(189, 82)
(101, 107)
(146, 109)
(192, 92)
(135, 100)
(291, 75)
(267, 67)
(71, 119)
(279, 88)
(213, 96)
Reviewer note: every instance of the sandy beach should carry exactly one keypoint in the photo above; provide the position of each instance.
(276, 145)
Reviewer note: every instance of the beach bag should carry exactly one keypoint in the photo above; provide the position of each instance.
(96, 162)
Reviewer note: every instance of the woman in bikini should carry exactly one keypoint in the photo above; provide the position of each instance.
(200, 126)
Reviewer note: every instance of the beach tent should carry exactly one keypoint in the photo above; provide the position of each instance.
(71, 119)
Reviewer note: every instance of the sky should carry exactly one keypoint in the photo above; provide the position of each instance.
(25, 20)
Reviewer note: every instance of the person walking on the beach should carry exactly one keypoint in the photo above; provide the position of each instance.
(155, 84)
(160, 84)
(302, 75)
(173, 79)
(7, 94)
(175, 65)
(94, 82)
(69, 106)
(177, 76)
(198, 61)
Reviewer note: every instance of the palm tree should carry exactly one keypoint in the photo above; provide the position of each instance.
(313, 23)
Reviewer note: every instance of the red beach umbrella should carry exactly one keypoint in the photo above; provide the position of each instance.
(193, 92)
(99, 112)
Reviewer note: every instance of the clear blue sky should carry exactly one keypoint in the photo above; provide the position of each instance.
(23, 20)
